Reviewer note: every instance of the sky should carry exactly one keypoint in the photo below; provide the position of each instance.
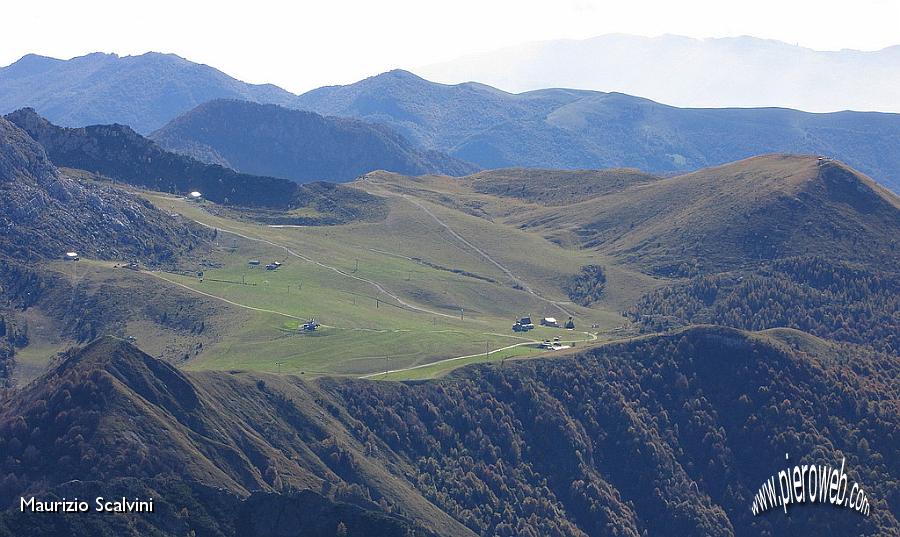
(301, 45)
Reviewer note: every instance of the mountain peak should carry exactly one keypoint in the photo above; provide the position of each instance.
(26, 118)
(394, 76)
(143, 91)
(155, 380)
(100, 352)
(402, 74)
(28, 65)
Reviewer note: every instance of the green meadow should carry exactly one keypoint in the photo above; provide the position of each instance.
(403, 295)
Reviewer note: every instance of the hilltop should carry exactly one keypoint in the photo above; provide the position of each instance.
(434, 115)
(771, 241)
(144, 92)
(302, 146)
(719, 218)
(681, 408)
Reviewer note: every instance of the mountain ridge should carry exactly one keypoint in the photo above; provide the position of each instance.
(725, 217)
(267, 139)
(46, 213)
(118, 152)
(331, 429)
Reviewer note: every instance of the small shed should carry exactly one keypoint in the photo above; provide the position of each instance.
(71, 256)
(550, 321)
(523, 325)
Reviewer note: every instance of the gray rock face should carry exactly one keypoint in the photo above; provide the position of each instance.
(19, 155)
(44, 213)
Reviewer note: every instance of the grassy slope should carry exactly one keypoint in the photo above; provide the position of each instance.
(723, 217)
(507, 211)
(76, 302)
(717, 218)
(410, 256)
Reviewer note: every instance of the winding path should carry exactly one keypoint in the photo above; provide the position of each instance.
(219, 298)
(478, 250)
(592, 337)
(380, 288)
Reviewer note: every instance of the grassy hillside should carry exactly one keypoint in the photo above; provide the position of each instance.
(391, 294)
(740, 214)
(47, 304)
(416, 287)
(49, 308)
(302, 146)
(439, 279)
(556, 187)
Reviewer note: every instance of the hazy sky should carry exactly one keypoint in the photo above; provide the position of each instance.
(300, 45)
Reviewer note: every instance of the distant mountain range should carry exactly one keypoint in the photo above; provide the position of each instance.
(549, 128)
(682, 71)
(558, 128)
(299, 145)
(143, 92)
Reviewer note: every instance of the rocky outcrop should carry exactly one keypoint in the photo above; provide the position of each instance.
(45, 213)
